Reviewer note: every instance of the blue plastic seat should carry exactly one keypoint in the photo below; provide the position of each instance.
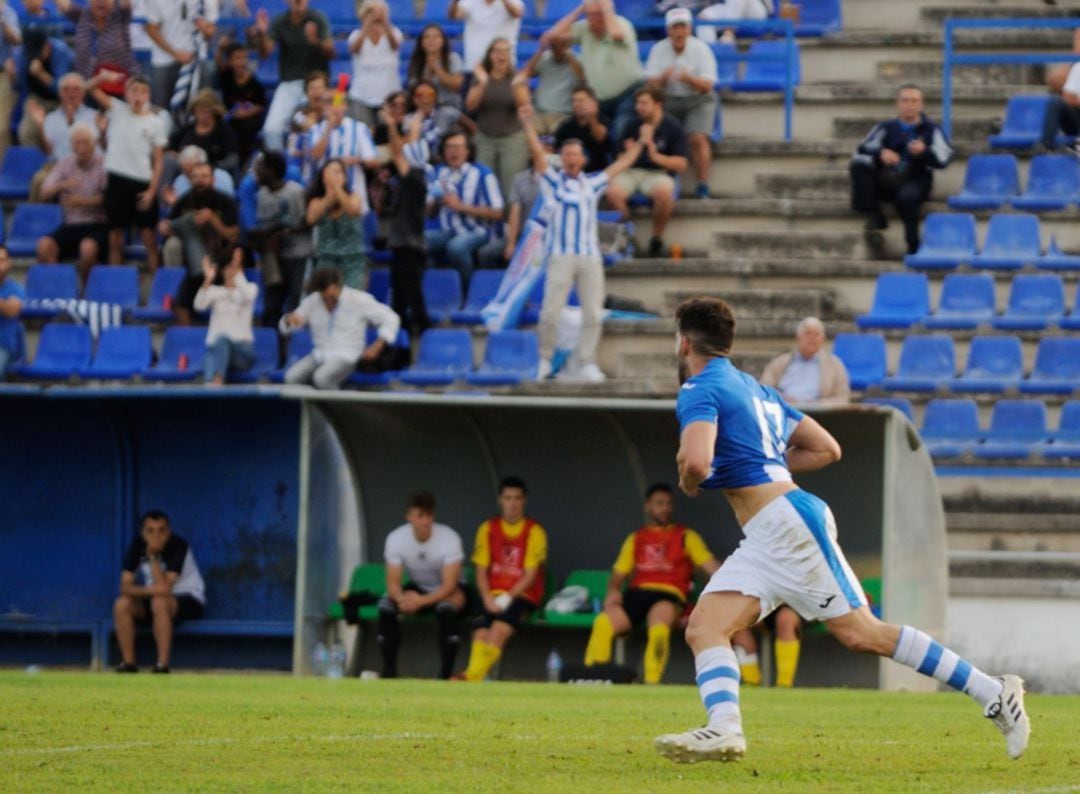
(189, 341)
(165, 285)
(1022, 127)
(510, 357)
(995, 363)
(123, 351)
(299, 345)
(445, 356)
(442, 293)
(1072, 321)
(990, 181)
(1012, 241)
(1057, 367)
(1017, 428)
(267, 353)
(818, 17)
(863, 356)
(62, 351)
(901, 404)
(926, 363)
(28, 223)
(19, 166)
(727, 67)
(1053, 183)
(1066, 439)
(967, 301)
(1056, 259)
(771, 74)
(948, 240)
(268, 72)
(379, 378)
(48, 282)
(483, 286)
(950, 427)
(900, 300)
(1035, 303)
(379, 284)
(117, 284)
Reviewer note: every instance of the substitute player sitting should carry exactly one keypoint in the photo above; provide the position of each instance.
(742, 438)
(659, 561)
(509, 555)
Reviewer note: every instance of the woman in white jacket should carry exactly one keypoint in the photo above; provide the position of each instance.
(231, 303)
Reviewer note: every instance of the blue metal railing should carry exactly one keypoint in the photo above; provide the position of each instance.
(950, 58)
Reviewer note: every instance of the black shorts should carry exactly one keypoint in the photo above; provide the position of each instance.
(187, 608)
(69, 236)
(519, 609)
(636, 603)
(121, 197)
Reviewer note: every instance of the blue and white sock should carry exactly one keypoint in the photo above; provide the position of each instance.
(929, 657)
(718, 683)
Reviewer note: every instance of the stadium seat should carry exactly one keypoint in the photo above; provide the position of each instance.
(1012, 241)
(483, 286)
(1017, 427)
(727, 67)
(994, 364)
(1072, 321)
(379, 284)
(267, 352)
(445, 356)
(268, 72)
(596, 582)
(442, 293)
(1057, 367)
(771, 74)
(163, 291)
(28, 223)
(1035, 303)
(1066, 440)
(123, 351)
(818, 17)
(62, 351)
(300, 345)
(950, 427)
(118, 284)
(863, 356)
(1053, 183)
(948, 240)
(378, 256)
(368, 579)
(187, 341)
(900, 300)
(901, 404)
(967, 301)
(509, 358)
(379, 378)
(48, 282)
(990, 181)
(1022, 127)
(19, 166)
(1056, 259)
(926, 363)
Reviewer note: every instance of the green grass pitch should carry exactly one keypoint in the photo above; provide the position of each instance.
(77, 731)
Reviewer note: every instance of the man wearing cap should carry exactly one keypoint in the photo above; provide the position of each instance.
(684, 68)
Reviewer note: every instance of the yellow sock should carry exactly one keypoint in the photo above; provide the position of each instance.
(656, 653)
(750, 670)
(598, 651)
(481, 660)
(787, 661)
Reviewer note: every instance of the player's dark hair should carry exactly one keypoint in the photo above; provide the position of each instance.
(658, 487)
(512, 482)
(154, 515)
(423, 501)
(324, 277)
(709, 325)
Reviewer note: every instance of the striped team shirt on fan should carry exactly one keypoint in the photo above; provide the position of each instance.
(571, 209)
(476, 185)
(351, 138)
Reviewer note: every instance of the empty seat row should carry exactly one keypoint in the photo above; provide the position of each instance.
(1018, 429)
(1036, 302)
(994, 364)
(445, 357)
(1012, 242)
(992, 181)
(1022, 127)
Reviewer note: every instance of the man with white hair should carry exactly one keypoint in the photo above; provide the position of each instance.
(52, 129)
(809, 374)
(188, 158)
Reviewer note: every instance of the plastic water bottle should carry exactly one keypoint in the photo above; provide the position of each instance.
(319, 659)
(554, 666)
(336, 667)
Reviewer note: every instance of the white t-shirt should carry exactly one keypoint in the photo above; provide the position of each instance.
(176, 19)
(375, 72)
(697, 59)
(131, 142)
(1072, 82)
(485, 22)
(723, 10)
(424, 562)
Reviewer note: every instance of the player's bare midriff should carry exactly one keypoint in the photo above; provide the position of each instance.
(748, 502)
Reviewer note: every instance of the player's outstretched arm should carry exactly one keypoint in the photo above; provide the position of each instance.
(811, 447)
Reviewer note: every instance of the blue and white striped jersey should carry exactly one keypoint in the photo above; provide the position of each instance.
(571, 211)
(351, 139)
(475, 184)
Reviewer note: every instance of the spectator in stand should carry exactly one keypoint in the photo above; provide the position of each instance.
(245, 100)
(684, 68)
(499, 249)
(810, 373)
(586, 126)
(558, 73)
(10, 38)
(102, 41)
(465, 198)
(376, 50)
(730, 11)
(79, 181)
(203, 222)
(34, 14)
(188, 158)
(334, 210)
(494, 99)
(134, 161)
(40, 64)
(12, 296)
(485, 21)
(434, 62)
(302, 36)
(342, 138)
(338, 318)
(435, 118)
(230, 298)
(280, 236)
(180, 32)
(208, 130)
(663, 157)
(1063, 112)
(609, 56)
(510, 556)
(52, 131)
(307, 115)
(1055, 75)
(160, 581)
(895, 162)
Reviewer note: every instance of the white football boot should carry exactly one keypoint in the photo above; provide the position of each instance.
(702, 744)
(1009, 715)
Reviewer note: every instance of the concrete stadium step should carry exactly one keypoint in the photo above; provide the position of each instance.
(834, 185)
(783, 245)
(932, 71)
(908, 15)
(1010, 9)
(968, 128)
(931, 34)
(1018, 496)
(1036, 565)
(660, 367)
(980, 531)
(773, 304)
